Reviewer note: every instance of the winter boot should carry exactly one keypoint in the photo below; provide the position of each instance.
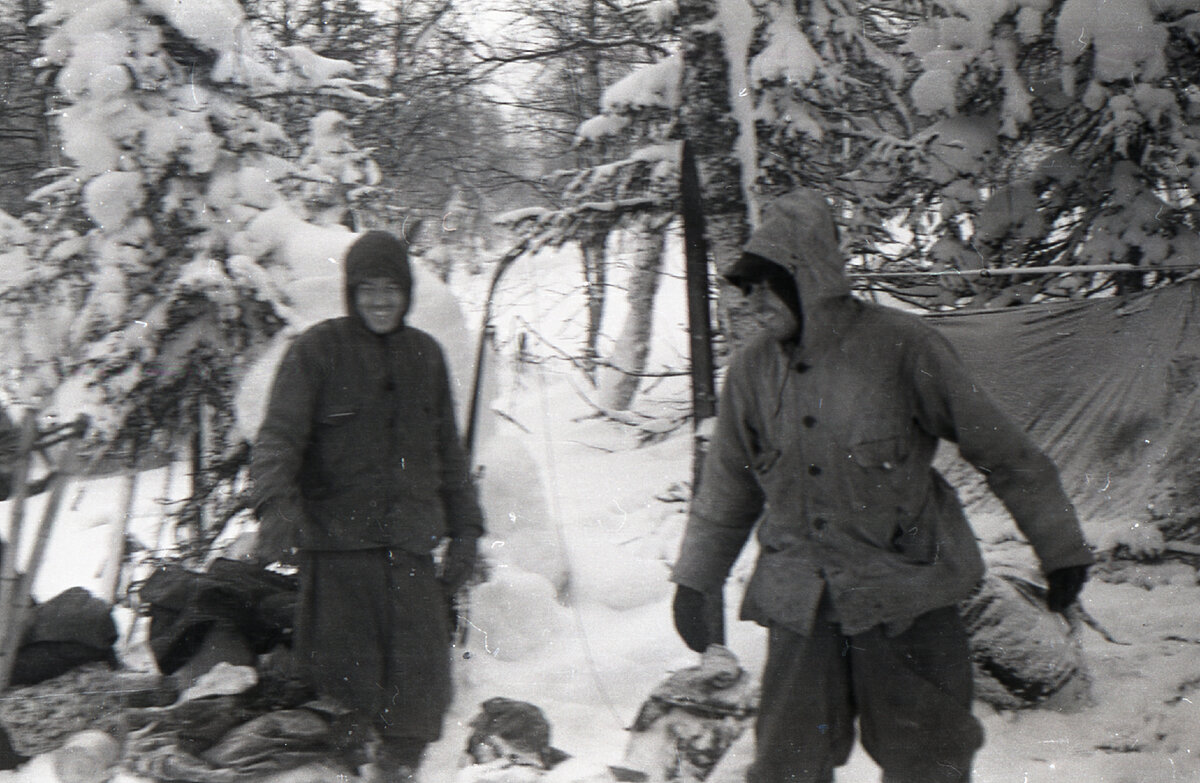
(397, 760)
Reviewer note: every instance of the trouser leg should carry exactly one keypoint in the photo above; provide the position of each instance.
(418, 681)
(805, 725)
(398, 759)
(914, 693)
(371, 633)
(341, 635)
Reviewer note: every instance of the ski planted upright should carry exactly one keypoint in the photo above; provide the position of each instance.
(460, 607)
(704, 395)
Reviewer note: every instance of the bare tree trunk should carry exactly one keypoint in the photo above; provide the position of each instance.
(110, 581)
(709, 124)
(620, 381)
(595, 281)
(593, 246)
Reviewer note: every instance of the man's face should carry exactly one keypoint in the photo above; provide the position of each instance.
(772, 314)
(381, 302)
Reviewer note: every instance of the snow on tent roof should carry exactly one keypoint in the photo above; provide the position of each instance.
(1109, 388)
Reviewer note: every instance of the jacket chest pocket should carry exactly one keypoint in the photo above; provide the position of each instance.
(879, 479)
(341, 438)
(881, 453)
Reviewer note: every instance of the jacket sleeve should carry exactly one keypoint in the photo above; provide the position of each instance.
(951, 406)
(464, 518)
(278, 452)
(729, 499)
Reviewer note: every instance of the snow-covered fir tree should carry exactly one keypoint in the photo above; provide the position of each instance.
(143, 284)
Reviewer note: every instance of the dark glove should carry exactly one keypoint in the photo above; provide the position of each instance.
(275, 541)
(699, 618)
(458, 564)
(1063, 586)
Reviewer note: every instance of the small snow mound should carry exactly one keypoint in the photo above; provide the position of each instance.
(520, 528)
(515, 614)
(605, 574)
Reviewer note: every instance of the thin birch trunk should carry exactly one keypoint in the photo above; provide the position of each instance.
(595, 276)
(620, 382)
(710, 126)
(111, 580)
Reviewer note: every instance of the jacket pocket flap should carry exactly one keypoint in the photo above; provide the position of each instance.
(336, 416)
(885, 453)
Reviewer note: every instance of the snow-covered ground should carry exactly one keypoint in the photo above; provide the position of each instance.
(615, 642)
(589, 662)
(586, 513)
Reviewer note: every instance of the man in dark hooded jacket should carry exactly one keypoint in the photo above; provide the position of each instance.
(358, 466)
(825, 439)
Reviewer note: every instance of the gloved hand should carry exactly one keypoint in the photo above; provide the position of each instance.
(275, 541)
(458, 564)
(699, 618)
(1063, 586)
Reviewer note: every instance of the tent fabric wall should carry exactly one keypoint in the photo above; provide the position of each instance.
(1109, 388)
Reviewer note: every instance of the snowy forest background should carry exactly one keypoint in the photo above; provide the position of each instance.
(148, 145)
(177, 177)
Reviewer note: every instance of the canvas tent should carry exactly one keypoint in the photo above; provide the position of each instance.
(1109, 388)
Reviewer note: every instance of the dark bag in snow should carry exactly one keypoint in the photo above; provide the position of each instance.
(71, 629)
(185, 605)
(276, 741)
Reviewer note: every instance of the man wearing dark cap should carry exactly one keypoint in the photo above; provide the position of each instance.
(824, 444)
(359, 467)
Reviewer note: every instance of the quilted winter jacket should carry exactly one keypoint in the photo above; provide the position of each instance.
(359, 448)
(827, 444)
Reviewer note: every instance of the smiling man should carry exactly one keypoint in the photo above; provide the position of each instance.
(359, 467)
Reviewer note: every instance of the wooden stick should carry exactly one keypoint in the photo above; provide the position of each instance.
(37, 557)
(20, 600)
(1050, 269)
(10, 612)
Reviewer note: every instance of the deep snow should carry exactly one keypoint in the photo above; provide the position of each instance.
(588, 664)
(585, 515)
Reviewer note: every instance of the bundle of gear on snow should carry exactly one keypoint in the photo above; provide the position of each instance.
(514, 732)
(238, 728)
(1024, 655)
(185, 605)
(71, 629)
(690, 720)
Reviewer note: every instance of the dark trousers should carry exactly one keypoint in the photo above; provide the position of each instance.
(372, 632)
(911, 694)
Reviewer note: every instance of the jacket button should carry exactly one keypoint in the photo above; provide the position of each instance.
(810, 421)
(820, 523)
(814, 470)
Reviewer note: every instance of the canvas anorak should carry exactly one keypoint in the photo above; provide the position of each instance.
(830, 440)
(359, 448)
(358, 464)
